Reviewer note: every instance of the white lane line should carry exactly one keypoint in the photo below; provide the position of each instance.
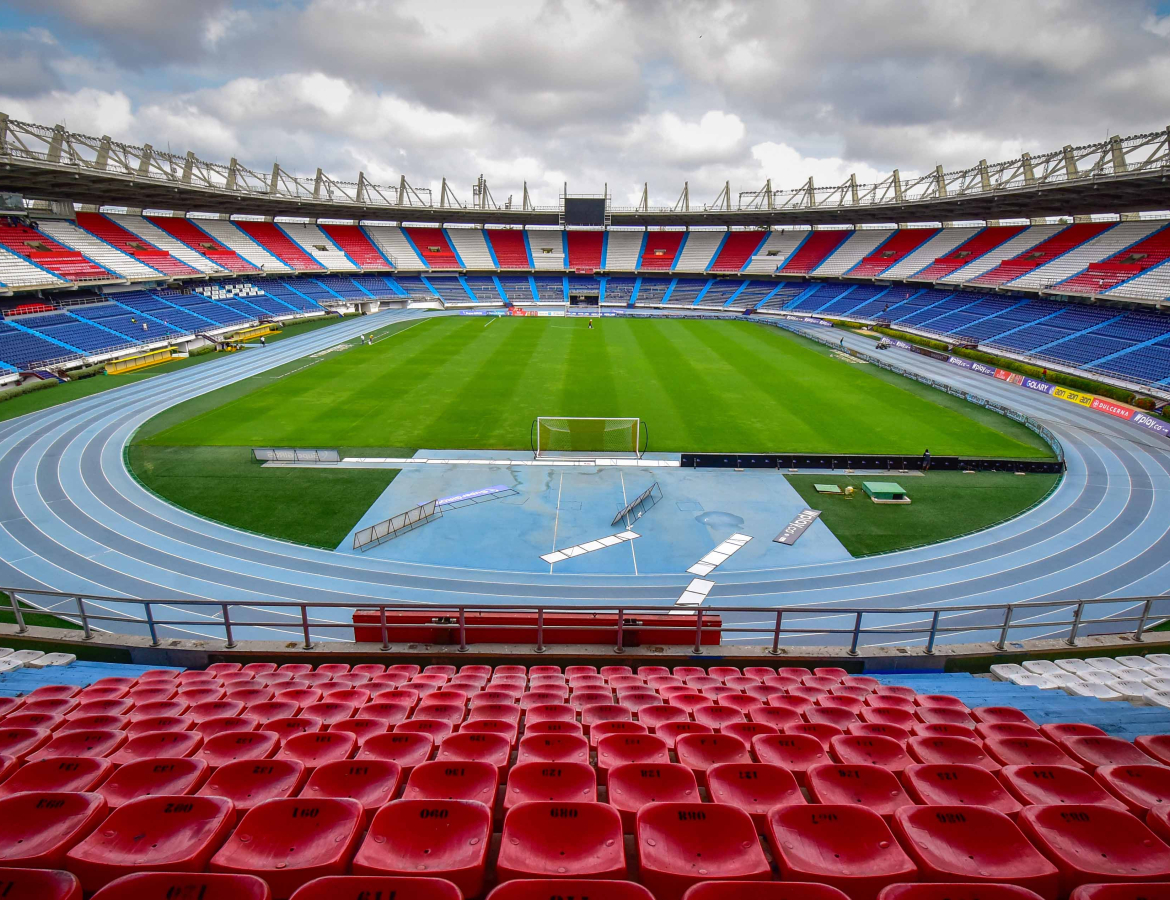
(694, 595)
(588, 547)
(720, 554)
(633, 555)
(556, 524)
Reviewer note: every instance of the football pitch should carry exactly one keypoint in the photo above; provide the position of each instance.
(468, 382)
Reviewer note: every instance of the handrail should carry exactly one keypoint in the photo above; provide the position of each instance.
(927, 623)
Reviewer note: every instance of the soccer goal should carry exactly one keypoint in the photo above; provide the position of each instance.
(567, 436)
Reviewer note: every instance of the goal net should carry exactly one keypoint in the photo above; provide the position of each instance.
(563, 436)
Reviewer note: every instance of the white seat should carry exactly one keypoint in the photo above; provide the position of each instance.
(1105, 663)
(1087, 689)
(1042, 667)
(1065, 678)
(1076, 666)
(5, 651)
(1037, 681)
(1098, 676)
(1158, 698)
(1157, 684)
(1133, 691)
(1005, 671)
(26, 656)
(1159, 659)
(51, 659)
(8, 664)
(1129, 673)
(1135, 662)
(1151, 672)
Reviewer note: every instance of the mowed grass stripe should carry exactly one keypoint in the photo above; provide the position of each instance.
(699, 385)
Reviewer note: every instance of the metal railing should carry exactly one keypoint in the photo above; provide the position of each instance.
(767, 626)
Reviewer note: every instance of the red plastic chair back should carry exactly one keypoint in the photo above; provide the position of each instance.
(949, 751)
(158, 745)
(329, 712)
(568, 782)
(699, 752)
(848, 847)
(46, 721)
(361, 729)
(1058, 731)
(1094, 844)
(957, 892)
(893, 732)
(408, 749)
(770, 890)
(494, 749)
(183, 885)
(988, 730)
(371, 782)
(682, 844)
(101, 722)
(545, 839)
(1026, 751)
(753, 787)
(249, 783)
(97, 744)
(289, 843)
(822, 731)
(620, 749)
(855, 749)
(37, 829)
(270, 710)
(39, 884)
(292, 726)
(717, 715)
(958, 785)
(890, 701)
(553, 748)
(1001, 715)
(217, 725)
(972, 844)
(1140, 788)
(1048, 785)
(164, 832)
(20, 743)
(159, 723)
(605, 729)
(317, 748)
(1156, 746)
(633, 786)
(672, 731)
(232, 746)
(865, 785)
(446, 839)
(154, 777)
(795, 752)
(654, 716)
(776, 716)
(554, 728)
(1092, 752)
(889, 715)
(378, 887)
(62, 774)
(453, 781)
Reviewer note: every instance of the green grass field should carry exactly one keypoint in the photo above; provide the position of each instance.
(943, 505)
(475, 383)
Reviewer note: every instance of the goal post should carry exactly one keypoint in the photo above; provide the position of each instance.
(579, 436)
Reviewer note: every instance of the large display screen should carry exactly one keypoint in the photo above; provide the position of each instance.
(584, 211)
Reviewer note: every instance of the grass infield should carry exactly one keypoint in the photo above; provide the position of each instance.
(466, 382)
(943, 505)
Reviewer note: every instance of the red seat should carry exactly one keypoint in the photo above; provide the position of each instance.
(384, 711)
(319, 747)
(1148, 891)
(566, 782)
(151, 777)
(682, 844)
(943, 715)
(96, 744)
(51, 706)
(270, 710)
(633, 786)
(1058, 731)
(753, 787)
(1025, 751)
(690, 701)
(248, 784)
(973, 844)
(566, 889)
(1092, 752)
(1095, 844)
(553, 748)
(1047, 785)
(890, 701)
(63, 774)
(290, 842)
(865, 750)
(446, 839)
(158, 745)
(838, 700)
(756, 890)
(99, 722)
(747, 731)
(361, 729)
(47, 721)
(471, 747)
(102, 708)
(38, 828)
(865, 785)
(554, 728)
(218, 725)
(19, 743)
(377, 887)
(604, 729)
(988, 731)
(38, 884)
(1158, 821)
(698, 752)
(408, 750)
(508, 712)
(832, 716)
(949, 751)
(291, 726)
(848, 847)
(233, 746)
(545, 839)
(795, 752)
(822, 731)
(1140, 788)
(371, 782)
(888, 715)
(940, 701)
(159, 723)
(158, 708)
(619, 749)
(653, 716)
(1002, 715)
(329, 712)
(957, 892)
(453, 781)
(893, 732)
(716, 716)
(958, 785)
(1155, 745)
(164, 833)
(672, 731)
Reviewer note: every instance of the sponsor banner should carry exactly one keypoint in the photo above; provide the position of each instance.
(1113, 409)
(1153, 424)
(1073, 396)
(797, 527)
(1034, 384)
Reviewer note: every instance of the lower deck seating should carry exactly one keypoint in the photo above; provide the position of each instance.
(656, 783)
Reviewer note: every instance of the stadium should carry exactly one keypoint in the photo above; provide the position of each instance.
(365, 536)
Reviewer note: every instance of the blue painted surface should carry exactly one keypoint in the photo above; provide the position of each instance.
(562, 506)
(81, 673)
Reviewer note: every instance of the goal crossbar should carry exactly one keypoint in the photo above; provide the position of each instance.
(586, 436)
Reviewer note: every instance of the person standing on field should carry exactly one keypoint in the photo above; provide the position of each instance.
(926, 460)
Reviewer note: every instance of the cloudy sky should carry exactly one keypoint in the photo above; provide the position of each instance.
(592, 91)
